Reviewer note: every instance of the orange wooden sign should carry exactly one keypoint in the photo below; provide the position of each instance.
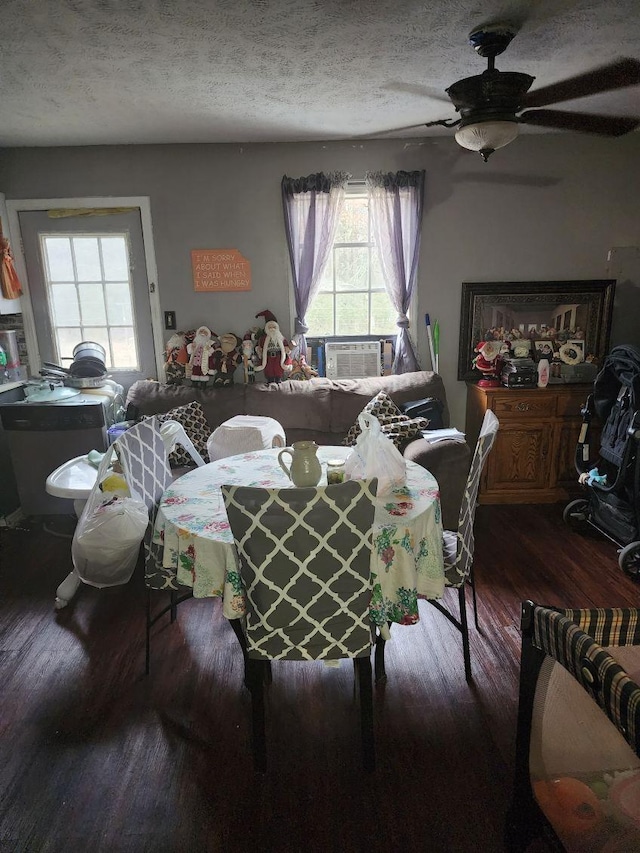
(215, 270)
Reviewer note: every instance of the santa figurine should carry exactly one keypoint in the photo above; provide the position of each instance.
(201, 355)
(248, 360)
(488, 362)
(176, 357)
(226, 358)
(273, 349)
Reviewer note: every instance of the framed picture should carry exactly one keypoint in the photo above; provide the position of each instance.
(540, 311)
(544, 349)
(572, 352)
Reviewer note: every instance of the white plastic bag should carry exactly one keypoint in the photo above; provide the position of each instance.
(375, 455)
(107, 539)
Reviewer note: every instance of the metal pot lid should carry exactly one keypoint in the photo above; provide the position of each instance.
(52, 395)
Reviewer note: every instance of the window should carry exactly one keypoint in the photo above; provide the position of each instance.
(89, 290)
(352, 299)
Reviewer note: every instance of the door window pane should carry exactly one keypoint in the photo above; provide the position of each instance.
(123, 347)
(64, 305)
(115, 258)
(57, 253)
(92, 304)
(87, 258)
(119, 308)
(66, 340)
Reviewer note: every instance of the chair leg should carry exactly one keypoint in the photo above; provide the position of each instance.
(175, 598)
(365, 684)
(147, 656)
(464, 630)
(174, 605)
(236, 624)
(255, 678)
(379, 668)
(475, 601)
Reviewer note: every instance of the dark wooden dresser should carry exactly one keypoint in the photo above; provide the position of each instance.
(532, 460)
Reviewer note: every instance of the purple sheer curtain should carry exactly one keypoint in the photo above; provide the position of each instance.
(311, 206)
(396, 202)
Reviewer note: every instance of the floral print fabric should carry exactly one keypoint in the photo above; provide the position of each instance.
(407, 557)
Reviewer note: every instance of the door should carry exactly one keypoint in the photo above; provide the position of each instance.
(88, 281)
(520, 458)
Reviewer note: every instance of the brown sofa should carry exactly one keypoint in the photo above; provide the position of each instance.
(322, 410)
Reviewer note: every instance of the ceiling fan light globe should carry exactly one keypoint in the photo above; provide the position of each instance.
(486, 136)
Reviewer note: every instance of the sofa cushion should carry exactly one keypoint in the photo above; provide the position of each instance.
(295, 405)
(400, 428)
(148, 397)
(349, 396)
(195, 425)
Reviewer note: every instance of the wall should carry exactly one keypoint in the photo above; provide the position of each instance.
(546, 207)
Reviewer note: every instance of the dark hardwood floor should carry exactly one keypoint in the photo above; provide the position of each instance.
(97, 757)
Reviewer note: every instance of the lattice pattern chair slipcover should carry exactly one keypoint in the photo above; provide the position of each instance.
(142, 452)
(305, 562)
(459, 544)
(458, 548)
(578, 736)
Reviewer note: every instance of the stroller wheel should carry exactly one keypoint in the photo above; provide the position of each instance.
(575, 512)
(629, 560)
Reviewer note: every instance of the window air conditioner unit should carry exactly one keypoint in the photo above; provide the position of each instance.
(352, 360)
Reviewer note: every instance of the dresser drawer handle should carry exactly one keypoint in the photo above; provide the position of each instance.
(522, 407)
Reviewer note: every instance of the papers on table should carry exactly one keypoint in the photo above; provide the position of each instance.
(451, 434)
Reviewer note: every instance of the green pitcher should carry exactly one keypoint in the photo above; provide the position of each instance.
(305, 467)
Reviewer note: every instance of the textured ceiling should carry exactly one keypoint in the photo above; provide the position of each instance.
(86, 72)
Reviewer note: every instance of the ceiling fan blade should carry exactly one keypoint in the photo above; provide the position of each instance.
(617, 75)
(400, 129)
(419, 90)
(386, 132)
(581, 122)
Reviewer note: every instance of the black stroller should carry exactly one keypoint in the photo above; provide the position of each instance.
(612, 479)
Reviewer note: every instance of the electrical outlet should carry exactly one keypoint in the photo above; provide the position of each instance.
(170, 319)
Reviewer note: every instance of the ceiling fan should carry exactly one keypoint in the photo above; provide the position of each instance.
(490, 104)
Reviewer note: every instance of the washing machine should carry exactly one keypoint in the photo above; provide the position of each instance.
(43, 435)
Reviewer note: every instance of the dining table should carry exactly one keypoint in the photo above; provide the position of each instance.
(406, 559)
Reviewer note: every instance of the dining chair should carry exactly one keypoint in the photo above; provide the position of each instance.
(143, 453)
(304, 557)
(173, 434)
(458, 550)
(577, 764)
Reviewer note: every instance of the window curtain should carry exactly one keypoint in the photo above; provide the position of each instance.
(312, 207)
(396, 202)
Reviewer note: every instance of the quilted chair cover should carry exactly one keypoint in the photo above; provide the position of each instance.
(305, 557)
(458, 545)
(578, 741)
(143, 455)
(244, 433)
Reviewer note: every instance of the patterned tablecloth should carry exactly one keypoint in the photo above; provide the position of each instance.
(407, 558)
